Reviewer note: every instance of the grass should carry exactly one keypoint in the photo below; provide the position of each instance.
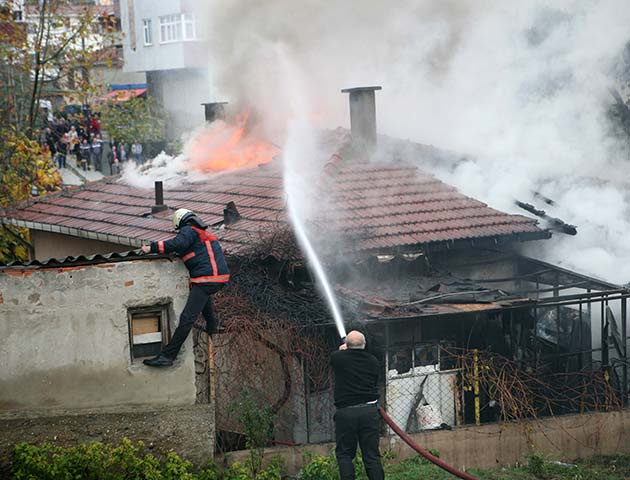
(615, 467)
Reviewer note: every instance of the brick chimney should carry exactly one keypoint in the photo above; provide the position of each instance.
(363, 115)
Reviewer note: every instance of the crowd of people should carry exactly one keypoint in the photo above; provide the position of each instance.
(81, 138)
(119, 154)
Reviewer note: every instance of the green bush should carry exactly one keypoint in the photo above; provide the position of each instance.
(127, 461)
(256, 417)
(322, 467)
(96, 461)
(319, 468)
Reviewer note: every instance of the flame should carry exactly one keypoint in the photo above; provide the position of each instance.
(222, 146)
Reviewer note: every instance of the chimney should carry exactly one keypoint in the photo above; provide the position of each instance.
(214, 111)
(363, 115)
(159, 199)
(230, 214)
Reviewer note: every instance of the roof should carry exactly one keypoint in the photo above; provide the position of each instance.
(388, 295)
(122, 95)
(376, 207)
(80, 260)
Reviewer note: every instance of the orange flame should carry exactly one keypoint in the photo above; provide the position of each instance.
(223, 147)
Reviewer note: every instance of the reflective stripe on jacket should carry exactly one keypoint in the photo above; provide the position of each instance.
(201, 252)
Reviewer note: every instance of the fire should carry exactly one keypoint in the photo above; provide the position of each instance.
(224, 146)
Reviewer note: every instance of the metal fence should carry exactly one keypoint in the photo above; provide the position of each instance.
(556, 356)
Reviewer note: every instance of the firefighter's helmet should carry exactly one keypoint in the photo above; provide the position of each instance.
(180, 216)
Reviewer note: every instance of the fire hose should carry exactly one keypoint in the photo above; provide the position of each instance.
(432, 458)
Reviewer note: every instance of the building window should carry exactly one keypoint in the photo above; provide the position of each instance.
(148, 330)
(177, 27)
(189, 26)
(170, 28)
(147, 29)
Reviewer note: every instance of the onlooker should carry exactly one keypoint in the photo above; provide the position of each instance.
(50, 141)
(356, 418)
(73, 141)
(123, 153)
(115, 163)
(62, 150)
(84, 154)
(136, 152)
(97, 152)
(114, 145)
(95, 125)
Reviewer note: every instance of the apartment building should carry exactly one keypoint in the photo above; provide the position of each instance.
(166, 39)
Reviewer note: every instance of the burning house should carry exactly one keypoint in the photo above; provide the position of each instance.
(427, 271)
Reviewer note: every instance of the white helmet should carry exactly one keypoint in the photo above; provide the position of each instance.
(180, 216)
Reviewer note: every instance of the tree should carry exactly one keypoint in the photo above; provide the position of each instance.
(40, 50)
(141, 119)
(24, 171)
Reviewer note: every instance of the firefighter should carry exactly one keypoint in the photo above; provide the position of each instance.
(356, 398)
(201, 252)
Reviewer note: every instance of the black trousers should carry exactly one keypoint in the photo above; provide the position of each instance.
(358, 425)
(199, 301)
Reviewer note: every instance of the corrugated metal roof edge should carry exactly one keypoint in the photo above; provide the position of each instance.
(131, 255)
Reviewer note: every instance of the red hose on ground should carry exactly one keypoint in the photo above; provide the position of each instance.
(433, 459)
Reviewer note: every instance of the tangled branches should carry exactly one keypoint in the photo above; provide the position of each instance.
(522, 390)
(270, 311)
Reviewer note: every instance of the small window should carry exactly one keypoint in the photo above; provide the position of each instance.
(148, 33)
(400, 359)
(148, 330)
(189, 26)
(425, 354)
(170, 28)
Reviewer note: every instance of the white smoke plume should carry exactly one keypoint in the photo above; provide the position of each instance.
(519, 87)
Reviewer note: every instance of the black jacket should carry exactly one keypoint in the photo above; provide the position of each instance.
(201, 253)
(356, 377)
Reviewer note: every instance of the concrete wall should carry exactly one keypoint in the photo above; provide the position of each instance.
(55, 245)
(489, 446)
(185, 109)
(64, 338)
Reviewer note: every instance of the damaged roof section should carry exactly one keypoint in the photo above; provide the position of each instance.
(393, 296)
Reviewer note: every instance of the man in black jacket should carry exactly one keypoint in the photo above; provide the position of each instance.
(203, 257)
(356, 419)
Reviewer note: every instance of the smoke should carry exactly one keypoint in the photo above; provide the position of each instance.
(519, 87)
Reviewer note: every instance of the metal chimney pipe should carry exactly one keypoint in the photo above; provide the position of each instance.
(214, 111)
(363, 115)
(159, 199)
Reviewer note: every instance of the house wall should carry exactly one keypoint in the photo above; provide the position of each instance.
(65, 337)
(185, 111)
(65, 349)
(55, 245)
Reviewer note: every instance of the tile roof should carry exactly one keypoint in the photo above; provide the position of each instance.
(378, 207)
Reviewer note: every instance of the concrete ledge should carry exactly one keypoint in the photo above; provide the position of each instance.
(188, 430)
(487, 446)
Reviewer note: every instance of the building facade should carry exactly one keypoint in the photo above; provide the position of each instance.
(166, 39)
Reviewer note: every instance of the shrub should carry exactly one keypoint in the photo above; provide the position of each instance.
(96, 461)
